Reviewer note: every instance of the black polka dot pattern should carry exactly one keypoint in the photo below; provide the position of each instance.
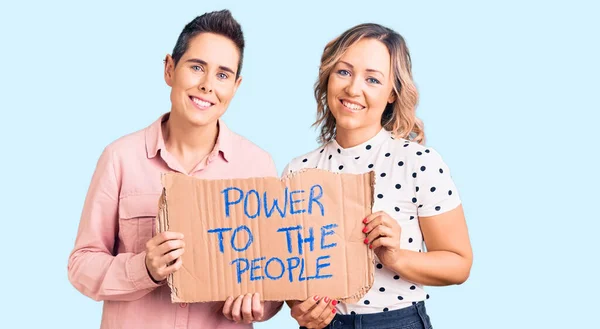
(414, 182)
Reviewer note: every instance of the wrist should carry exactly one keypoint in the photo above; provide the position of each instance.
(401, 264)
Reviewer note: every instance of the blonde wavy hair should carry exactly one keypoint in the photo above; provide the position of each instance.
(398, 117)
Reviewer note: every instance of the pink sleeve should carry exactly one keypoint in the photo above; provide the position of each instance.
(93, 267)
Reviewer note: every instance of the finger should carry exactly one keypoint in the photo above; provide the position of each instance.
(162, 237)
(236, 309)
(247, 309)
(328, 318)
(169, 245)
(373, 216)
(258, 307)
(171, 268)
(327, 312)
(227, 308)
(301, 309)
(383, 242)
(379, 232)
(173, 255)
(316, 312)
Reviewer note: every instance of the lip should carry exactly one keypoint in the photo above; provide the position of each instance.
(342, 100)
(201, 99)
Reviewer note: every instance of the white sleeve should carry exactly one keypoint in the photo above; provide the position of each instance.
(437, 192)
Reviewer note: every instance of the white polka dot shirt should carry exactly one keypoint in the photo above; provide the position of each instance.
(411, 180)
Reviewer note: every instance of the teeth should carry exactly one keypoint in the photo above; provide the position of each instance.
(201, 103)
(352, 106)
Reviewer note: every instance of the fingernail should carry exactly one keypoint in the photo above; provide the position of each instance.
(365, 230)
(326, 299)
(365, 220)
(366, 241)
(316, 297)
(333, 311)
(334, 302)
(370, 246)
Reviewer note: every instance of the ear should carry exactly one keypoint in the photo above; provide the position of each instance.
(392, 97)
(237, 84)
(169, 70)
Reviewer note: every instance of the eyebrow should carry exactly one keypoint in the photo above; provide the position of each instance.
(368, 70)
(199, 61)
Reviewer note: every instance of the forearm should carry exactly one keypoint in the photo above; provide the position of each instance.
(433, 268)
(102, 276)
(271, 308)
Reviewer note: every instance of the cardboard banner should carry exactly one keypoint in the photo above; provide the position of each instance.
(288, 239)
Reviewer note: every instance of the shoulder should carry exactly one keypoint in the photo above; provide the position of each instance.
(414, 151)
(247, 150)
(299, 162)
(128, 144)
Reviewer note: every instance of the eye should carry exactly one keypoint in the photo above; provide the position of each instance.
(222, 75)
(343, 73)
(197, 68)
(373, 80)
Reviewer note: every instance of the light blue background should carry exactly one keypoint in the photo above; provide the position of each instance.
(508, 95)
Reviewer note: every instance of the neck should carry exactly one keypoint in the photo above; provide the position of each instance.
(351, 137)
(189, 142)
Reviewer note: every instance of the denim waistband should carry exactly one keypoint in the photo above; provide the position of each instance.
(407, 316)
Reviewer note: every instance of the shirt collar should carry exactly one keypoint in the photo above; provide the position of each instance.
(155, 140)
(360, 149)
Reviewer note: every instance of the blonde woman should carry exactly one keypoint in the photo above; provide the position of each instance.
(366, 114)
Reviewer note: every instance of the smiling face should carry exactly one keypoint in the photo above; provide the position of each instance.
(360, 86)
(204, 80)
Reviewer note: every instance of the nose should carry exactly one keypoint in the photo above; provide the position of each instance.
(205, 85)
(353, 87)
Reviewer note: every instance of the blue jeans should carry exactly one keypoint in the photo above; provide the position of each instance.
(412, 317)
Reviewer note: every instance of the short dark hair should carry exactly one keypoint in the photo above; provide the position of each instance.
(217, 22)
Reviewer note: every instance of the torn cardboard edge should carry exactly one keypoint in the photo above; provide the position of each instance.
(163, 224)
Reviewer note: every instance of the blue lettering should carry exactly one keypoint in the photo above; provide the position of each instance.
(275, 205)
(254, 267)
(291, 267)
(257, 204)
(220, 231)
(310, 240)
(292, 201)
(230, 203)
(300, 277)
(250, 238)
(288, 235)
(272, 259)
(239, 270)
(312, 198)
(320, 266)
(325, 231)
